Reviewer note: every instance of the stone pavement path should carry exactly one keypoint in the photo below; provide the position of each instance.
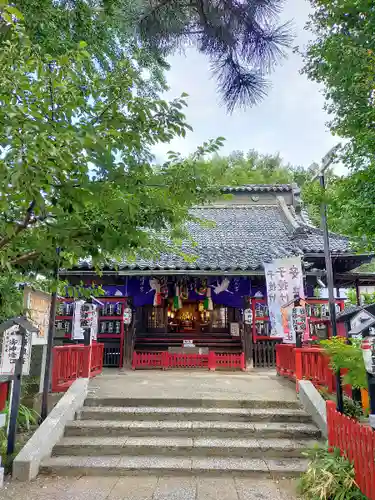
(150, 488)
(263, 385)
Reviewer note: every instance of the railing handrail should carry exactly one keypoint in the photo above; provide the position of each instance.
(75, 361)
(309, 349)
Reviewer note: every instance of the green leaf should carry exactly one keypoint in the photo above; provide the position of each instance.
(14, 11)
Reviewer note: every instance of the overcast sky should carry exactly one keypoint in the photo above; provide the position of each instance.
(290, 120)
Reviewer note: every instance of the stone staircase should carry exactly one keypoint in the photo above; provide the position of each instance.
(114, 436)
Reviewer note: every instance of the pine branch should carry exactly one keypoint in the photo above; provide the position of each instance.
(154, 10)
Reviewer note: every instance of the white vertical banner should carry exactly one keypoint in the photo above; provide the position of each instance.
(94, 323)
(77, 330)
(284, 280)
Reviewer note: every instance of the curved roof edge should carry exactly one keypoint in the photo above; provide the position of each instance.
(262, 188)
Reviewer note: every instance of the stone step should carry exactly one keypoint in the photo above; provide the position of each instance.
(160, 465)
(189, 403)
(137, 428)
(181, 446)
(187, 414)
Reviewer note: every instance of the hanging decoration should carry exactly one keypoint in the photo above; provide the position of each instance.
(222, 286)
(158, 298)
(284, 280)
(299, 319)
(127, 315)
(202, 289)
(248, 316)
(208, 301)
(184, 293)
(143, 289)
(177, 299)
(164, 287)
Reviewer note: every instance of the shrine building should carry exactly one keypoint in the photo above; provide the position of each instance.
(214, 309)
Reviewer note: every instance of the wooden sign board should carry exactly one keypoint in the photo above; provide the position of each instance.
(37, 305)
(235, 329)
(11, 343)
(188, 343)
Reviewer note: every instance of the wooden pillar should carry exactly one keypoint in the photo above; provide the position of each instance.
(358, 293)
(248, 346)
(248, 337)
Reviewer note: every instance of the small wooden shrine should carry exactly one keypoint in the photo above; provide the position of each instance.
(215, 305)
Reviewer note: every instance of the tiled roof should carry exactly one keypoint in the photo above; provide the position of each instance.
(352, 310)
(242, 238)
(349, 310)
(261, 188)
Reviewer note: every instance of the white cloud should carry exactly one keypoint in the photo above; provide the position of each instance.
(290, 120)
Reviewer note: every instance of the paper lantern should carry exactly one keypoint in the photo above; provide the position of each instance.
(248, 316)
(128, 314)
(299, 319)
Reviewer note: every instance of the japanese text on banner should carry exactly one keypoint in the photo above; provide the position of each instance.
(284, 280)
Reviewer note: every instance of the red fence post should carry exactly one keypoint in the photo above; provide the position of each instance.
(86, 362)
(331, 408)
(165, 360)
(357, 443)
(3, 395)
(212, 361)
(55, 369)
(299, 372)
(278, 363)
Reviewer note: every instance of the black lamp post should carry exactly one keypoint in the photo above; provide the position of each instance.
(326, 162)
(50, 337)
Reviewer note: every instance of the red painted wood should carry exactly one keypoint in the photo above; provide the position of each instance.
(306, 363)
(3, 395)
(286, 360)
(111, 318)
(75, 361)
(118, 336)
(356, 442)
(299, 372)
(341, 330)
(165, 360)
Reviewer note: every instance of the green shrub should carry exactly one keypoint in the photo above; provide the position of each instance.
(349, 357)
(27, 417)
(329, 477)
(352, 409)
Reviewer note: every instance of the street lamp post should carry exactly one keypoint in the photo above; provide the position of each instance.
(50, 337)
(326, 162)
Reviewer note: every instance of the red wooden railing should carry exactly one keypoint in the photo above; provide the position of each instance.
(97, 350)
(357, 442)
(307, 364)
(313, 364)
(211, 361)
(286, 360)
(75, 361)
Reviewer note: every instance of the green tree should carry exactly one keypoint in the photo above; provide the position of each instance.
(76, 165)
(239, 168)
(342, 59)
(242, 40)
